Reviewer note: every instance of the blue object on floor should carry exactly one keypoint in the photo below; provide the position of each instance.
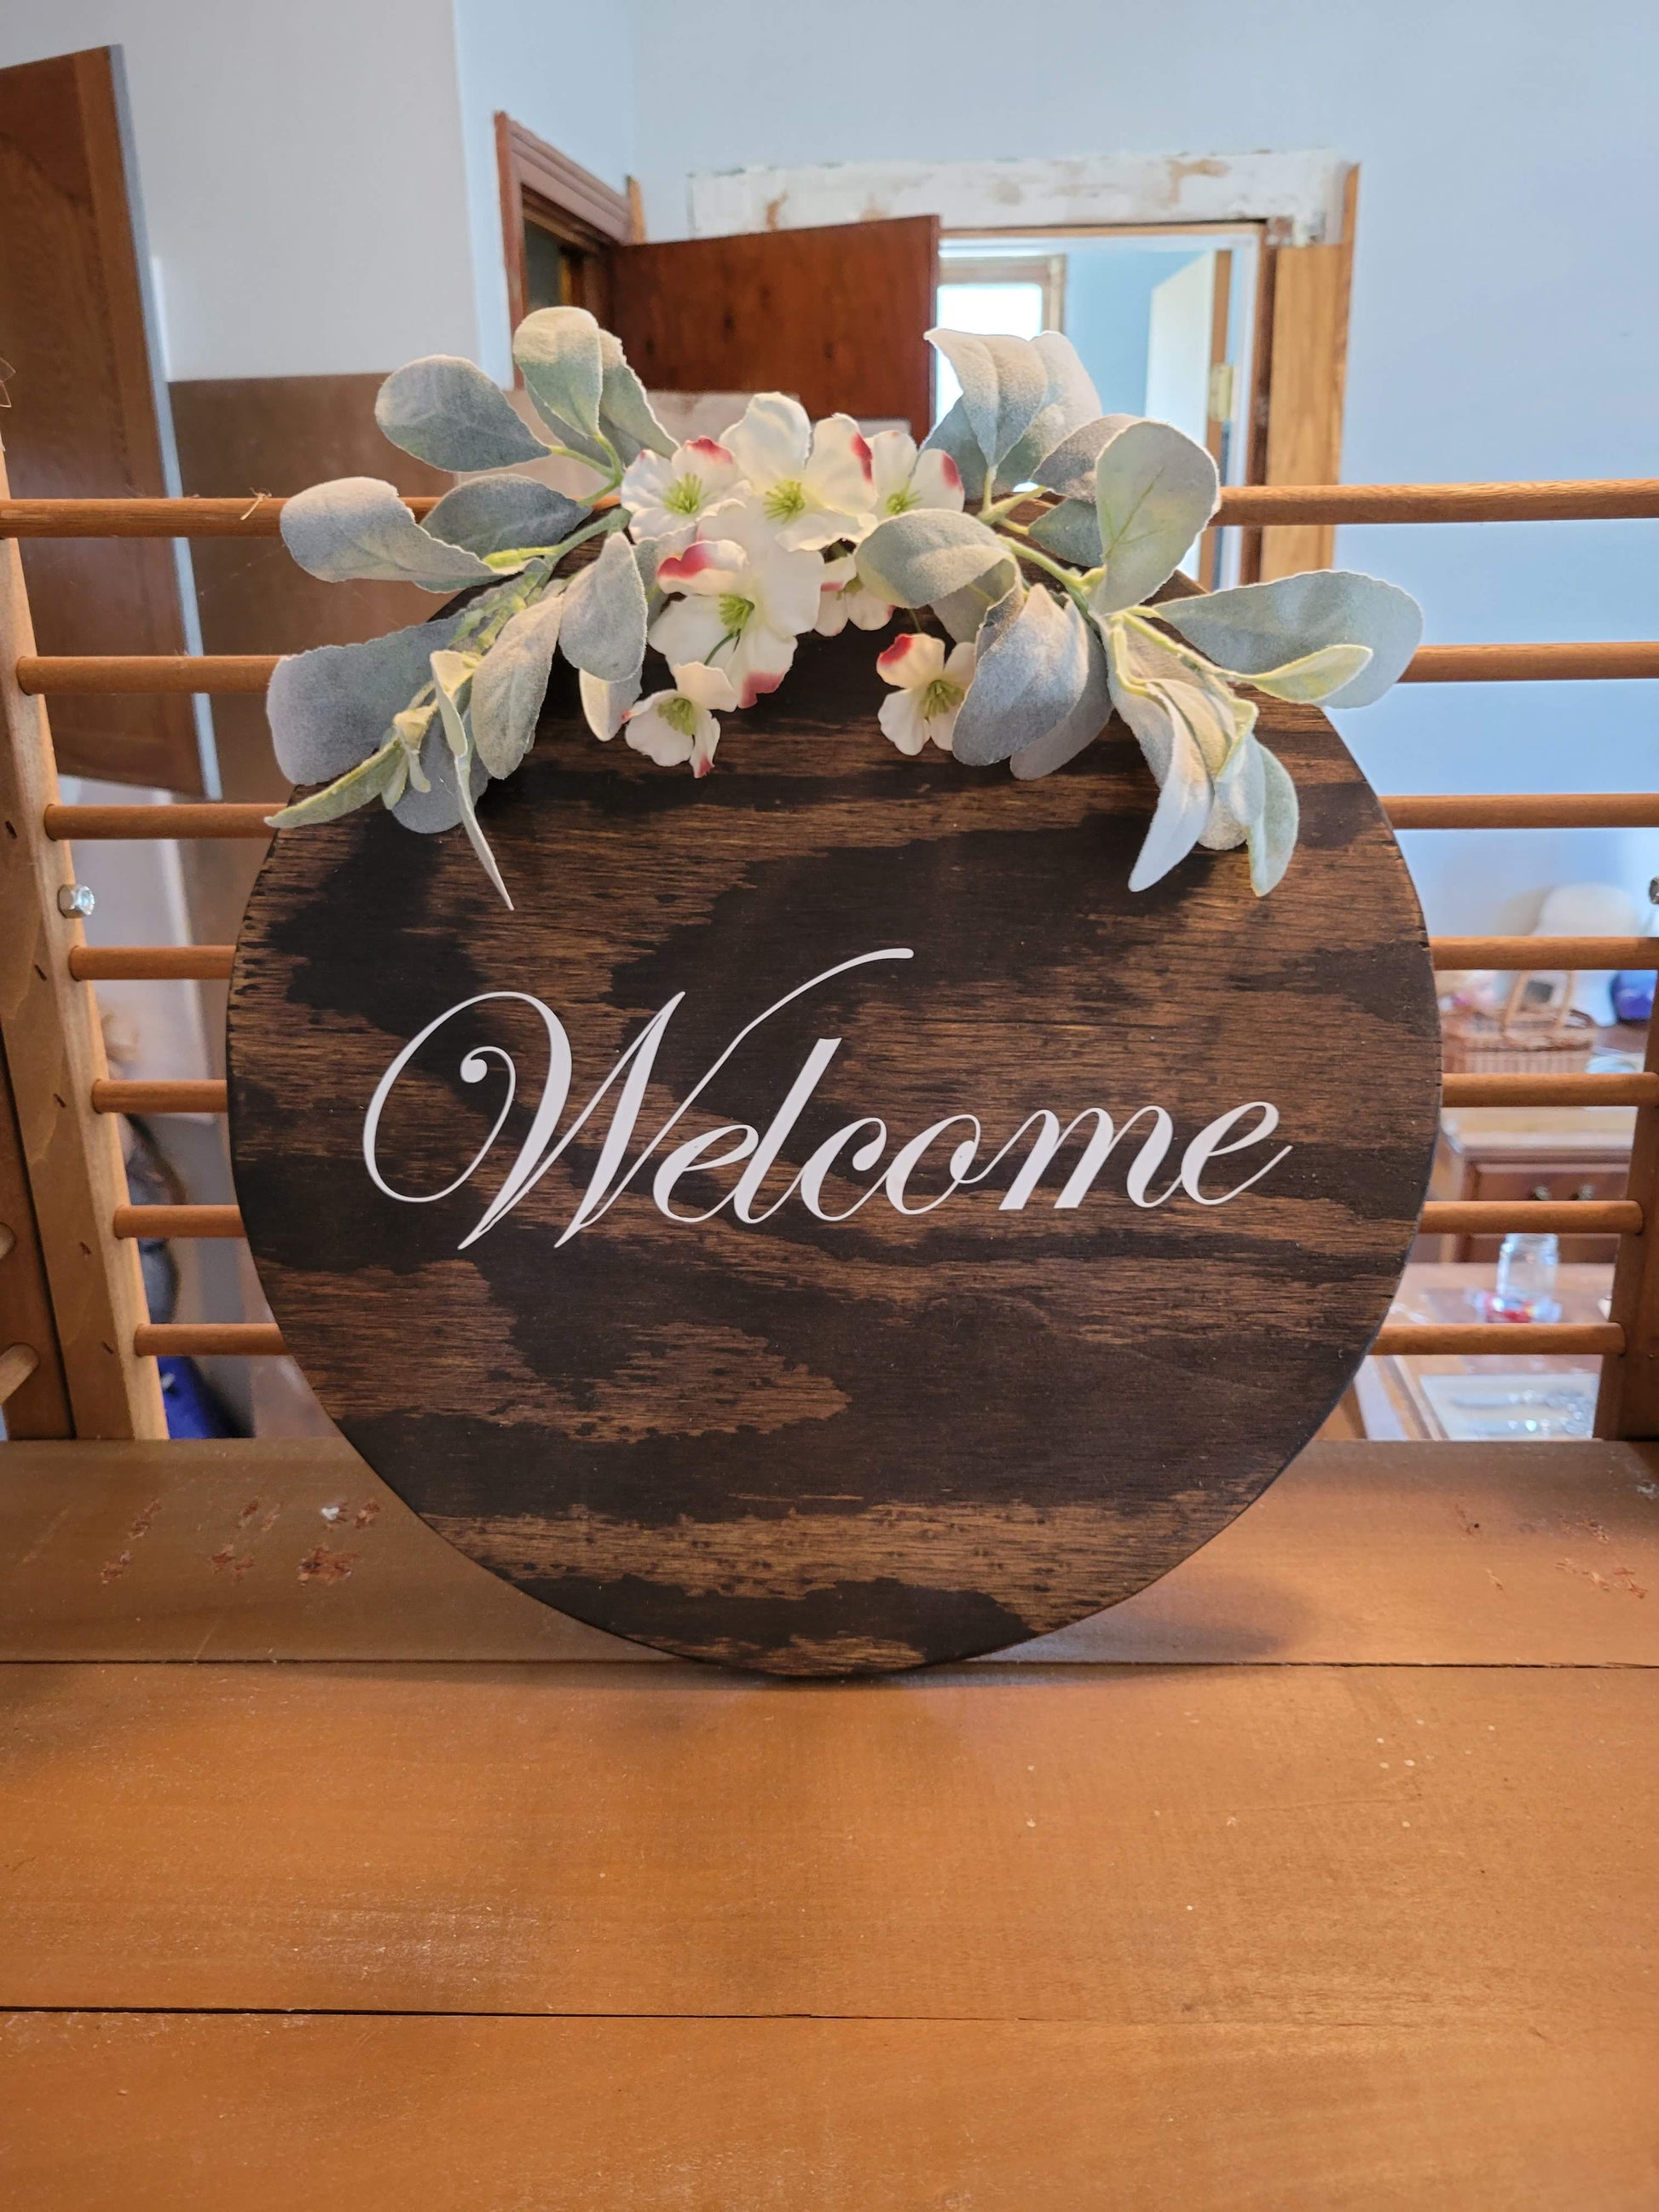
(192, 1408)
(1633, 994)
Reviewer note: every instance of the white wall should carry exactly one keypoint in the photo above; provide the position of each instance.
(1505, 322)
(301, 170)
(565, 72)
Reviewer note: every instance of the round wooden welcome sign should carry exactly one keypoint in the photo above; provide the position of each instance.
(831, 1224)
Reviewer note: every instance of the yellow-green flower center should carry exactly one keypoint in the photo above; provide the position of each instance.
(939, 697)
(684, 495)
(900, 501)
(734, 612)
(681, 714)
(785, 501)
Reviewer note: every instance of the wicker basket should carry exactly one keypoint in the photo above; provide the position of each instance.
(1510, 1041)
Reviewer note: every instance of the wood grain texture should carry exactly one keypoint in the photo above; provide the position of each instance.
(163, 2114)
(1361, 1554)
(1385, 1846)
(810, 1446)
(40, 1405)
(1308, 287)
(82, 404)
(834, 316)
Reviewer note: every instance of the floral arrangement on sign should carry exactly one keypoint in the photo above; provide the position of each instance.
(1033, 528)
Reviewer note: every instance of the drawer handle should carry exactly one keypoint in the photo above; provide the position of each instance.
(1543, 1190)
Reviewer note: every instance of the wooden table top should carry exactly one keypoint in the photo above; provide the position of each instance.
(1320, 1874)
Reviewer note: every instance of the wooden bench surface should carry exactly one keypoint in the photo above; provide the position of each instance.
(1320, 1876)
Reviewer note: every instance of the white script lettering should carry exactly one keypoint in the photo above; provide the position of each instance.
(856, 1148)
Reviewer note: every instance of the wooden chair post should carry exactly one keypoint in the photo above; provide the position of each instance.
(54, 1053)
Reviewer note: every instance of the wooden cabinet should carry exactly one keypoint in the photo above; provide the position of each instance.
(1502, 1152)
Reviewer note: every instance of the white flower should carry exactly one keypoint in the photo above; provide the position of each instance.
(747, 598)
(902, 478)
(813, 483)
(931, 689)
(668, 498)
(845, 596)
(672, 726)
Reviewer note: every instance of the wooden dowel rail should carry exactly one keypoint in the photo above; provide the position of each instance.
(1583, 1217)
(1529, 810)
(112, 1096)
(151, 963)
(1542, 810)
(208, 1339)
(212, 673)
(177, 1221)
(1546, 953)
(1554, 1338)
(1587, 500)
(1564, 1217)
(184, 1095)
(1640, 1089)
(187, 819)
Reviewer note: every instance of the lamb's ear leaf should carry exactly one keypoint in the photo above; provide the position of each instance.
(914, 560)
(1249, 630)
(445, 410)
(357, 528)
(1033, 668)
(438, 808)
(1273, 834)
(557, 350)
(1071, 532)
(510, 684)
(359, 786)
(1141, 695)
(964, 611)
(499, 515)
(1315, 676)
(605, 705)
(953, 434)
(1080, 728)
(604, 615)
(1003, 380)
(1069, 401)
(1155, 488)
(330, 708)
(624, 411)
(1069, 467)
(451, 672)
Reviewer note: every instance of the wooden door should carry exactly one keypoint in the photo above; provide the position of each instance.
(836, 316)
(84, 419)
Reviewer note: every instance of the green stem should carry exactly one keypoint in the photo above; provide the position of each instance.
(1064, 577)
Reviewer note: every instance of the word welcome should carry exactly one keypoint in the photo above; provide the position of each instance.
(858, 1147)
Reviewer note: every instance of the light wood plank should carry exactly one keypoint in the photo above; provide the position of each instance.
(1467, 1554)
(1157, 1846)
(240, 2114)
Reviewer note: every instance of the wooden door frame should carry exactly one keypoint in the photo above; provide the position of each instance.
(1303, 203)
(538, 182)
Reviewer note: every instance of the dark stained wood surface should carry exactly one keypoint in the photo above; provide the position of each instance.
(834, 316)
(815, 1446)
(81, 407)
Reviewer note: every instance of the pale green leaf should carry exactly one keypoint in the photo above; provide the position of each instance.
(604, 615)
(446, 411)
(1071, 532)
(1079, 729)
(624, 412)
(1316, 676)
(1069, 467)
(331, 707)
(1154, 491)
(953, 434)
(510, 684)
(605, 705)
(963, 611)
(358, 528)
(1033, 668)
(503, 515)
(1249, 630)
(913, 559)
(557, 350)
(451, 672)
(1069, 400)
(359, 786)
(1273, 834)
(1004, 382)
